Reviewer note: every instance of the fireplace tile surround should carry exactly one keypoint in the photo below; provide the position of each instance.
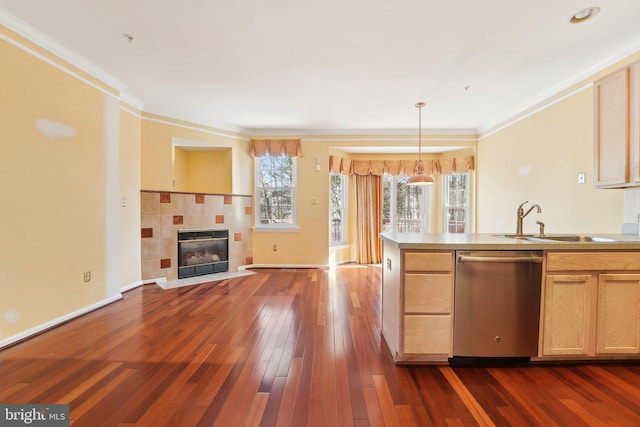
(164, 213)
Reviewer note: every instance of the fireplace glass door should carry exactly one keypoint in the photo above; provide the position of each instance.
(202, 252)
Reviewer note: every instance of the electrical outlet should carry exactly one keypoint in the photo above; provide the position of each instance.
(87, 276)
(275, 248)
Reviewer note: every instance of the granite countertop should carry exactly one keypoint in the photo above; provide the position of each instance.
(487, 241)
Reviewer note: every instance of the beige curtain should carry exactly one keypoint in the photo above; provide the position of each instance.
(399, 167)
(455, 165)
(275, 147)
(335, 163)
(368, 182)
(369, 218)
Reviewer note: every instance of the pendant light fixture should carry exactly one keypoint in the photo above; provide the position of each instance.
(419, 177)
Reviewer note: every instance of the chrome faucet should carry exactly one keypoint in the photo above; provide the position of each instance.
(522, 214)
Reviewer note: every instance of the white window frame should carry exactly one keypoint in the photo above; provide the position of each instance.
(257, 188)
(425, 219)
(343, 208)
(446, 203)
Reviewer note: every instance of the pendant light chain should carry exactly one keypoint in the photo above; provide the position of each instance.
(420, 105)
(419, 176)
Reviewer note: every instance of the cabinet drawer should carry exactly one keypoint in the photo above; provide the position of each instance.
(428, 261)
(428, 293)
(593, 261)
(427, 334)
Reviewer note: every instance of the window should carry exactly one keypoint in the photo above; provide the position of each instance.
(337, 208)
(456, 203)
(276, 191)
(404, 207)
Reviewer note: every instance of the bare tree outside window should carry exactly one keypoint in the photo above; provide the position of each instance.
(337, 202)
(275, 185)
(456, 202)
(404, 207)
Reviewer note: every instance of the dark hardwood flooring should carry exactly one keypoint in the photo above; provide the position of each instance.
(287, 348)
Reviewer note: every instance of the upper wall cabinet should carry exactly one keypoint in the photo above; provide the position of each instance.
(617, 129)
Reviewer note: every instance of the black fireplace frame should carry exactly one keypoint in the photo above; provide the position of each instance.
(213, 238)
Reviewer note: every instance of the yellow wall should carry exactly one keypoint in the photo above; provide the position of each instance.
(130, 244)
(310, 244)
(538, 159)
(203, 171)
(165, 162)
(180, 176)
(52, 194)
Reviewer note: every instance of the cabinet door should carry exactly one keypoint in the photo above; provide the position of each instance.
(618, 324)
(611, 130)
(569, 306)
(634, 118)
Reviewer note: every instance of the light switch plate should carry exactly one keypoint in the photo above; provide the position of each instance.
(582, 178)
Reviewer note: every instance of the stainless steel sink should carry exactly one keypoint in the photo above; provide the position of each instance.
(562, 238)
(576, 238)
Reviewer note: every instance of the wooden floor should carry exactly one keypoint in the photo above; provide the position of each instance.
(286, 348)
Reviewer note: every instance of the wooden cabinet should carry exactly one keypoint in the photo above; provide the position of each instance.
(427, 335)
(618, 314)
(569, 302)
(634, 126)
(417, 304)
(591, 304)
(617, 129)
(427, 294)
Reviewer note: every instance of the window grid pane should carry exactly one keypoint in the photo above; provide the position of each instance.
(410, 207)
(275, 206)
(337, 205)
(456, 202)
(386, 203)
(276, 191)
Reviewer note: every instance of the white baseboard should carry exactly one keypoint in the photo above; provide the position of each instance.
(206, 278)
(157, 280)
(348, 261)
(244, 267)
(58, 321)
(131, 286)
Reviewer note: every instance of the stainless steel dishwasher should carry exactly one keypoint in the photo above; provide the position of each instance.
(497, 304)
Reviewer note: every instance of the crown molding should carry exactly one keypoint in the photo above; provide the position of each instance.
(194, 126)
(555, 94)
(384, 134)
(531, 111)
(131, 100)
(538, 103)
(45, 42)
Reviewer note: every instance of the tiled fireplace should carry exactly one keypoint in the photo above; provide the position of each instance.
(164, 214)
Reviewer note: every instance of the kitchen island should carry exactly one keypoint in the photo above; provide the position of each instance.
(589, 305)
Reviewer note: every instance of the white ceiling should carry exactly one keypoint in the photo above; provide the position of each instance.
(337, 66)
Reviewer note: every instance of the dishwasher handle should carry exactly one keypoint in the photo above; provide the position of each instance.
(534, 259)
